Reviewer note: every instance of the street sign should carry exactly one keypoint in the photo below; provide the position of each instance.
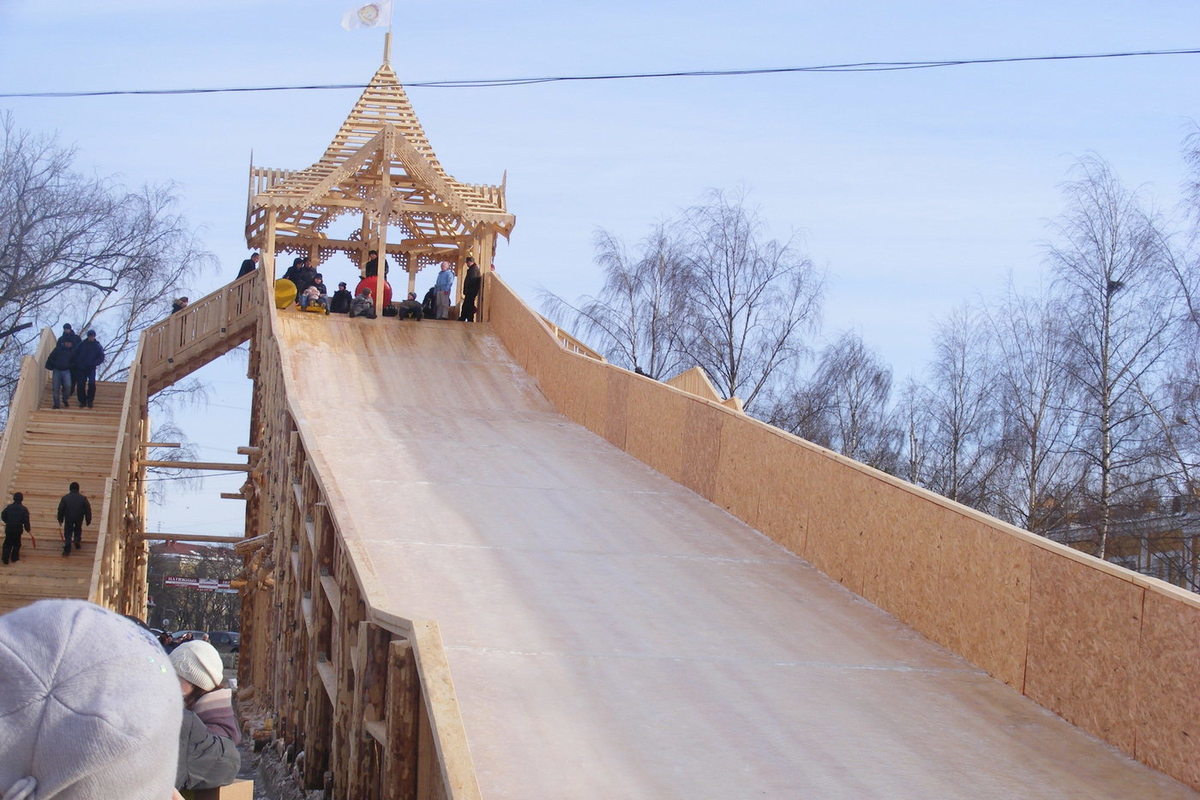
(200, 584)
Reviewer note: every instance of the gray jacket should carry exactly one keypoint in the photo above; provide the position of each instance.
(206, 760)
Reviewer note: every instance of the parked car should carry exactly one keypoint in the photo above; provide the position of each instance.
(225, 641)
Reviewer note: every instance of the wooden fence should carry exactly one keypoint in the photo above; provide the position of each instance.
(1109, 650)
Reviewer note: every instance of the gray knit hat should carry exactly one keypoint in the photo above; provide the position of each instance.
(198, 663)
(89, 706)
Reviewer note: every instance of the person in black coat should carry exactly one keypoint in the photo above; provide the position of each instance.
(89, 357)
(73, 510)
(471, 285)
(371, 270)
(340, 302)
(70, 334)
(290, 275)
(16, 520)
(61, 362)
(249, 265)
(429, 304)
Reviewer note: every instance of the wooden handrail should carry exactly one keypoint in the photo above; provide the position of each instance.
(569, 342)
(201, 331)
(25, 399)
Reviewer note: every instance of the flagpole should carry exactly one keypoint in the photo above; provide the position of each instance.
(387, 45)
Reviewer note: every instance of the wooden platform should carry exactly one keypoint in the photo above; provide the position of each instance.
(61, 446)
(610, 633)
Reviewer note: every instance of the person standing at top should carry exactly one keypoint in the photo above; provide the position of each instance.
(60, 362)
(249, 265)
(73, 510)
(89, 357)
(470, 291)
(291, 273)
(371, 269)
(179, 305)
(16, 521)
(69, 333)
(444, 284)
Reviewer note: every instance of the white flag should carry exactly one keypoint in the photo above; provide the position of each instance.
(371, 15)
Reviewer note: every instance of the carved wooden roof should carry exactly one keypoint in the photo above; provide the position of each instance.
(382, 133)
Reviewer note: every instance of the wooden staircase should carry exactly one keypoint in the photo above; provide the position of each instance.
(43, 450)
(58, 447)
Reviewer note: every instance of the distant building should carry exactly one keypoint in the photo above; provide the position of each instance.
(1161, 540)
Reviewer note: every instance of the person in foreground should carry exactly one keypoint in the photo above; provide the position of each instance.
(89, 706)
(208, 754)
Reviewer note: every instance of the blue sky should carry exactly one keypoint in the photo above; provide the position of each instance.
(916, 191)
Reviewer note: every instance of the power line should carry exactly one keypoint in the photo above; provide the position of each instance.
(490, 83)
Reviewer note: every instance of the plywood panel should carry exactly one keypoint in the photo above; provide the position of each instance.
(702, 448)
(1167, 700)
(1084, 627)
(656, 422)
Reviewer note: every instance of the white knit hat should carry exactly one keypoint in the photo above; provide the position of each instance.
(89, 707)
(199, 663)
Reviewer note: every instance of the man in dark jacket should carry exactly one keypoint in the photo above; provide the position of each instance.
(429, 304)
(89, 357)
(471, 285)
(371, 270)
(69, 333)
(249, 265)
(60, 362)
(340, 304)
(73, 510)
(16, 520)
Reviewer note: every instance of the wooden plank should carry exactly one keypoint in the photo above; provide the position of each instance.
(402, 717)
(191, 537)
(201, 465)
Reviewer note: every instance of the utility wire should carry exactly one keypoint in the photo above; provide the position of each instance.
(490, 83)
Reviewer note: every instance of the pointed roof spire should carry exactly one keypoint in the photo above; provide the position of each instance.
(382, 132)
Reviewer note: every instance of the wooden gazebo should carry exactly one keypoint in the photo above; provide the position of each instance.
(380, 167)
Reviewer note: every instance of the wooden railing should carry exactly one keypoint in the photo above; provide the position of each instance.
(365, 694)
(190, 338)
(569, 342)
(32, 382)
(118, 572)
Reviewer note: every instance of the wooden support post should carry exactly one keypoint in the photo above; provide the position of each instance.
(268, 251)
(385, 212)
(403, 716)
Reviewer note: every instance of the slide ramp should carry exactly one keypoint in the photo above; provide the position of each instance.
(612, 634)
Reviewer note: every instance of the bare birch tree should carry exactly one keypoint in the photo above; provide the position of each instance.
(83, 250)
(1038, 417)
(962, 460)
(1120, 304)
(636, 318)
(753, 301)
(845, 405)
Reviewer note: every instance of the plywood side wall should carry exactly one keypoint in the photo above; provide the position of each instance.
(1111, 651)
